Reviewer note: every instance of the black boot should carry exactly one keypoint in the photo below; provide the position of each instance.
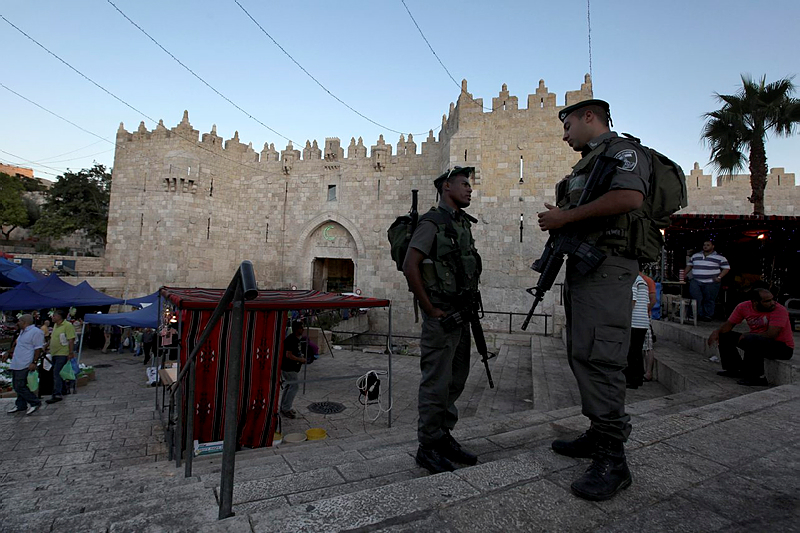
(429, 458)
(607, 475)
(452, 450)
(582, 447)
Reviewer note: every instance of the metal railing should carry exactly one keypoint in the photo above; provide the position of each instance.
(242, 287)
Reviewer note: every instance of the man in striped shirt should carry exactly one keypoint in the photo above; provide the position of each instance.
(707, 269)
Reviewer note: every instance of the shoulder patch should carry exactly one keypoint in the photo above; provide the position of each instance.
(628, 158)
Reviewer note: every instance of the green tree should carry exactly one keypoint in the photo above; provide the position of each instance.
(13, 213)
(737, 132)
(77, 201)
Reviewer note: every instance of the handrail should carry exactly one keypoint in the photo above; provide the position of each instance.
(242, 287)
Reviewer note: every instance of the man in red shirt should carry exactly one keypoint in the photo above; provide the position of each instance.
(770, 337)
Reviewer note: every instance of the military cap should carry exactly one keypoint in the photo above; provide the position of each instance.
(564, 113)
(455, 171)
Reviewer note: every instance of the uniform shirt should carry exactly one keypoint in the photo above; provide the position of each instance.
(632, 174)
(28, 341)
(639, 319)
(425, 233)
(60, 337)
(706, 268)
(291, 344)
(760, 321)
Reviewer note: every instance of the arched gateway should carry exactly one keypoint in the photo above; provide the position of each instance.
(330, 254)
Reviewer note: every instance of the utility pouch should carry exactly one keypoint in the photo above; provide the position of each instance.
(452, 321)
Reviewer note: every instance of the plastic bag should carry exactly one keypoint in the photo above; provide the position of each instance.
(67, 373)
(75, 366)
(33, 381)
(47, 363)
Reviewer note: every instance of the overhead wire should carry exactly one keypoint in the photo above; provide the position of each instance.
(324, 88)
(440, 61)
(193, 73)
(45, 159)
(31, 162)
(190, 141)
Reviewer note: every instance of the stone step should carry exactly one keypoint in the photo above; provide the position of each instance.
(481, 491)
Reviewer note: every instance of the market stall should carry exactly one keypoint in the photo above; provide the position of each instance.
(265, 322)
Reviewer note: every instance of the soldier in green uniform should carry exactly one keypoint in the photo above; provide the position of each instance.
(598, 305)
(442, 266)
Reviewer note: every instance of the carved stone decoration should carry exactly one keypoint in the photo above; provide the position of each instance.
(381, 154)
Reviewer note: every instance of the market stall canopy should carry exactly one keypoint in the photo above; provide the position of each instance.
(141, 318)
(53, 292)
(12, 274)
(271, 300)
(143, 301)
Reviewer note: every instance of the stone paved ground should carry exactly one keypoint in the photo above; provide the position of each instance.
(111, 422)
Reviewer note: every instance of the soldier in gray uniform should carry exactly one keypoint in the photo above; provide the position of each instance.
(442, 266)
(598, 305)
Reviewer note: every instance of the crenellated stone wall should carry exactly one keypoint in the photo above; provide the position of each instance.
(730, 195)
(186, 209)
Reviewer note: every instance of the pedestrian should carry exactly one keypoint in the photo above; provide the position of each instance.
(293, 358)
(649, 358)
(640, 325)
(107, 337)
(27, 351)
(137, 342)
(598, 305)
(706, 270)
(770, 337)
(442, 266)
(62, 349)
(148, 344)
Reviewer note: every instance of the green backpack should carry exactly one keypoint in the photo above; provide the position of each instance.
(667, 194)
(399, 233)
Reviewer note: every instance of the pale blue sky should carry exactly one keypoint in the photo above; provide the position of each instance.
(657, 63)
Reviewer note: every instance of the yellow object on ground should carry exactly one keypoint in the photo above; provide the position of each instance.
(316, 434)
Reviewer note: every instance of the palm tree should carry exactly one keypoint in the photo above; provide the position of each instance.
(742, 125)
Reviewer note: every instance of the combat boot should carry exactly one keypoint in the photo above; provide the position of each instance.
(607, 475)
(452, 450)
(429, 458)
(581, 447)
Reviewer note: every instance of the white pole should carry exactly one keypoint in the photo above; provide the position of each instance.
(80, 345)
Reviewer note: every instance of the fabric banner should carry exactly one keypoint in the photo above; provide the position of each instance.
(259, 380)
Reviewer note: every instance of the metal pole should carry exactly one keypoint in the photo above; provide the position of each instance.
(510, 316)
(190, 408)
(80, 346)
(234, 364)
(389, 347)
(177, 439)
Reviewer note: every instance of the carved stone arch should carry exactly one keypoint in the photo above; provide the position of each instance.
(312, 247)
(312, 225)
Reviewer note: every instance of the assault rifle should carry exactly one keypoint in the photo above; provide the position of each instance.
(570, 242)
(472, 312)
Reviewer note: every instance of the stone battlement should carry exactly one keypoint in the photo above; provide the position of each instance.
(540, 102)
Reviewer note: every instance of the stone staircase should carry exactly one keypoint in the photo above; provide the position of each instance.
(694, 454)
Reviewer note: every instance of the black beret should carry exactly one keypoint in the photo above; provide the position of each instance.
(564, 113)
(455, 171)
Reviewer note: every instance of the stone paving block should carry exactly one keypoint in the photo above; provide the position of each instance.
(17, 465)
(522, 437)
(734, 442)
(130, 461)
(430, 524)
(286, 484)
(125, 452)
(248, 473)
(304, 462)
(743, 501)
(235, 524)
(256, 506)
(381, 466)
(67, 459)
(675, 514)
(498, 474)
(664, 428)
(361, 509)
(354, 486)
(37, 522)
(537, 506)
(777, 470)
(659, 471)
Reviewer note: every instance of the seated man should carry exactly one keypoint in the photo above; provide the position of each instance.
(293, 358)
(770, 337)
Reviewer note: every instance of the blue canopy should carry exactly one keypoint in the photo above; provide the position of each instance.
(12, 274)
(142, 301)
(53, 292)
(141, 318)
